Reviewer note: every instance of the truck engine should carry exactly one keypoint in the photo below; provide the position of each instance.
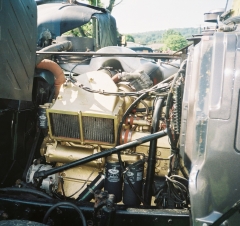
(95, 111)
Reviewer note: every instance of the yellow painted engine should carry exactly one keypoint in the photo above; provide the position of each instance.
(87, 118)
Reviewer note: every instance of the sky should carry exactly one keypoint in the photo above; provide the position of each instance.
(133, 16)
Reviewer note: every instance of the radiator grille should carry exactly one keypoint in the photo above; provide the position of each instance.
(98, 129)
(63, 125)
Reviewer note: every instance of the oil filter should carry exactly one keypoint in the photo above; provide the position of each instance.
(135, 176)
(42, 117)
(113, 179)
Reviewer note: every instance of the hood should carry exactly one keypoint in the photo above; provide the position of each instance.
(58, 18)
(18, 23)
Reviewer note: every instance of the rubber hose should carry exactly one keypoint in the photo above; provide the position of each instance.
(56, 70)
(84, 223)
(26, 190)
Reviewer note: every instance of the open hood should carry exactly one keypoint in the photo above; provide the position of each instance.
(18, 23)
(59, 18)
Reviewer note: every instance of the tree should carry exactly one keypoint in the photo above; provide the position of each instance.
(175, 42)
(169, 33)
(87, 30)
(129, 38)
(95, 3)
(112, 4)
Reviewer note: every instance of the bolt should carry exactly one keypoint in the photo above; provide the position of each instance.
(4, 216)
(28, 210)
(170, 221)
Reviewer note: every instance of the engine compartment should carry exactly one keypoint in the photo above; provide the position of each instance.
(93, 114)
(89, 116)
(120, 137)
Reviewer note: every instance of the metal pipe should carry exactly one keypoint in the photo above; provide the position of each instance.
(130, 108)
(43, 174)
(152, 152)
(148, 55)
(65, 45)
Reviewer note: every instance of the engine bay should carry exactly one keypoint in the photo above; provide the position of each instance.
(116, 136)
(96, 111)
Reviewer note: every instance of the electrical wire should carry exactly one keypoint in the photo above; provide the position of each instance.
(173, 132)
(177, 176)
(157, 88)
(84, 223)
(70, 74)
(83, 184)
(64, 196)
(63, 191)
(170, 64)
(177, 189)
(122, 94)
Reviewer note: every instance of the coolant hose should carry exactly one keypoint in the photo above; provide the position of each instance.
(152, 152)
(56, 70)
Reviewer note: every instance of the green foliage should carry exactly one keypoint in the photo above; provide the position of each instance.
(83, 31)
(157, 36)
(129, 38)
(175, 42)
(95, 2)
(73, 32)
(169, 33)
(87, 29)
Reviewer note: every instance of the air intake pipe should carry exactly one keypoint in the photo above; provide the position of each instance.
(56, 70)
(43, 63)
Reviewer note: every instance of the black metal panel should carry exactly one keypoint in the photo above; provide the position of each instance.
(18, 30)
(35, 210)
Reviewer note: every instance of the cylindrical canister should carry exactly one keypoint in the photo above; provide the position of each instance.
(113, 179)
(96, 184)
(135, 176)
(42, 117)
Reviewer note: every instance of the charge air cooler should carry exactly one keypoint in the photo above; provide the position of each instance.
(86, 117)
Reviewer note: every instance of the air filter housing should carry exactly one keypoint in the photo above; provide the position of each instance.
(86, 117)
